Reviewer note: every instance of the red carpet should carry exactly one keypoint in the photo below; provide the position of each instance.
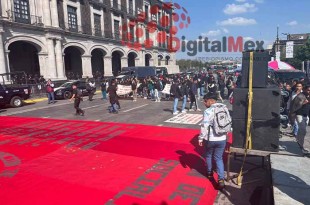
(55, 162)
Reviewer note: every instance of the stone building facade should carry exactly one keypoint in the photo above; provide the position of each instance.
(55, 37)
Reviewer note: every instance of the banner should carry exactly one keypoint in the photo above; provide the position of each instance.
(123, 89)
(166, 89)
(290, 49)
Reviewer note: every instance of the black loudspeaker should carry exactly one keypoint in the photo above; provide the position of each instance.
(260, 69)
(266, 103)
(265, 134)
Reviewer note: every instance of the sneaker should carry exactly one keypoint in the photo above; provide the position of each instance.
(198, 110)
(82, 114)
(175, 113)
(221, 184)
(183, 111)
(209, 175)
(191, 110)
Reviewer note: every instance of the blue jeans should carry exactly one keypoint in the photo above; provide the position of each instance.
(114, 108)
(184, 102)
(295, 128)
(215, 150)
(104, 95)
(51, 97)
(202, 91)
(175, 104)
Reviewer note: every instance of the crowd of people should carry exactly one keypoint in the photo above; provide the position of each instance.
(296, 105)
(212, 88)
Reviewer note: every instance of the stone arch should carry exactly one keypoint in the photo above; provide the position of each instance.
(132, 57)
(24, 56)
(148, 58)
(98, 54)
(103, 48)
(122, 51)
(117, 54)
(149, 53)
(133, 51)
(167, 59)
(79, 46)
(29, 39)
(160, 58)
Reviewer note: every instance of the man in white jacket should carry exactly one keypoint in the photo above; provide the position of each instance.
(214, 144)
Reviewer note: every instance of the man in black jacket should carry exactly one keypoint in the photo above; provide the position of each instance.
(297, 101)
(302, 117)
(175, 91)
(77, 96)
(185, 93)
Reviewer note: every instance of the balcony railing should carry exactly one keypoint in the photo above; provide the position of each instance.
(98, 32)
(24, 18)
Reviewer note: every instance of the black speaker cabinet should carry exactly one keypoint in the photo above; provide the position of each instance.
(265, 134)
(260, 69)
(266, 103)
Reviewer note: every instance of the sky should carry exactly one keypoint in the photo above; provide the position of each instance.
(252, 19)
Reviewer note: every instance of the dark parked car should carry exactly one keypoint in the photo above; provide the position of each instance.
(11, 93)
(65, 90)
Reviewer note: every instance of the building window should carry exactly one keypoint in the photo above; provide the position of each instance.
(72, 19)
(116, 30)
(21, 11)
(132, 34)
(97, 25)
(130, 7)
(115, 4)
(147, 34)
(146, 12)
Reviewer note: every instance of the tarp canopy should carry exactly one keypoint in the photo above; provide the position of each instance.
(280, 65)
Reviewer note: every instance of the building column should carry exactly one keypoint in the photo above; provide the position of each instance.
(3, 68)
(137, 61)
(124, 62)
(86, 66)
(51, 70)
(4, 8)
(142, 59)
(107, 66)
(42, 62)
(59, 61)
(64, 64)
(151, 62)
(7, 61)
(54, 13)
(46, 13)
(155, 54)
